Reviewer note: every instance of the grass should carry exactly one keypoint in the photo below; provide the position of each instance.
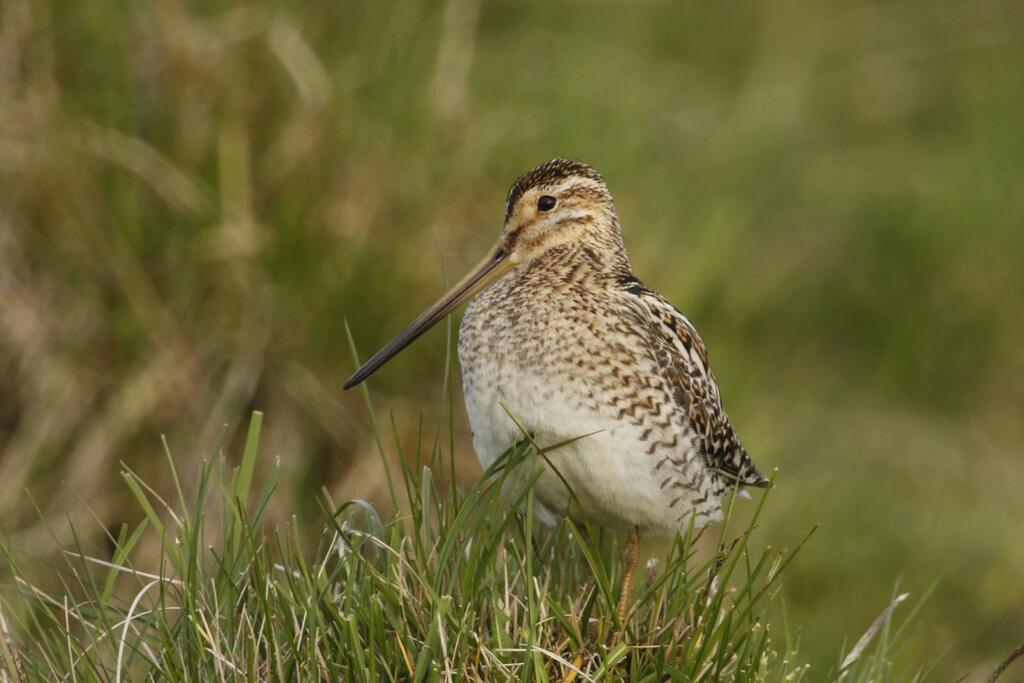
(458, 586)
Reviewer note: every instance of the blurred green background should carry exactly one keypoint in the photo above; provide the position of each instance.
(195, 197)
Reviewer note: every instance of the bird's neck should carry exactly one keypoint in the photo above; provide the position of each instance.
(582, 260)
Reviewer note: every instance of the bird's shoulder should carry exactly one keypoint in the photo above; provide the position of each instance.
(668, 328)
(682, 358)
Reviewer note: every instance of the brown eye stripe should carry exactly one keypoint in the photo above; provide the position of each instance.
(586, 192)
(575, 219)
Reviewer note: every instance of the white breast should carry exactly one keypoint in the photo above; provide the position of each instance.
(614, 471)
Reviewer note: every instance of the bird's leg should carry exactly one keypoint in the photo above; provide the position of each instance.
(630, 555)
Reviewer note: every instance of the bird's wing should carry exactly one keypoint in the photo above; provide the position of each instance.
(683, 359)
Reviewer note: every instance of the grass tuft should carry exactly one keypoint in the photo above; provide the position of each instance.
(458, 586)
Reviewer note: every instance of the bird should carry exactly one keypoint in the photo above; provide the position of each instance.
(562, 340)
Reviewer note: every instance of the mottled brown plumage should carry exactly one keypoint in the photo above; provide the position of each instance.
(563, 341)
(568, 342)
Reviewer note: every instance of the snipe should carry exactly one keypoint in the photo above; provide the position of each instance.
(563, 336)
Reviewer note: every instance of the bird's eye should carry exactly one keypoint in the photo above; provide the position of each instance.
(546, 202)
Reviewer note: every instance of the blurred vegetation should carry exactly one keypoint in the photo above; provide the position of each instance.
(195, 198)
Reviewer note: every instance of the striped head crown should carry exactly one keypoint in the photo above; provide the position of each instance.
(549, 174)
(559, 205)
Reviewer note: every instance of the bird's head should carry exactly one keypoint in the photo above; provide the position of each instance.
(557, 204)
(555, 207)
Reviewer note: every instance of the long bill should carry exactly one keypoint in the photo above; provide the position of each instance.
(493, 266)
